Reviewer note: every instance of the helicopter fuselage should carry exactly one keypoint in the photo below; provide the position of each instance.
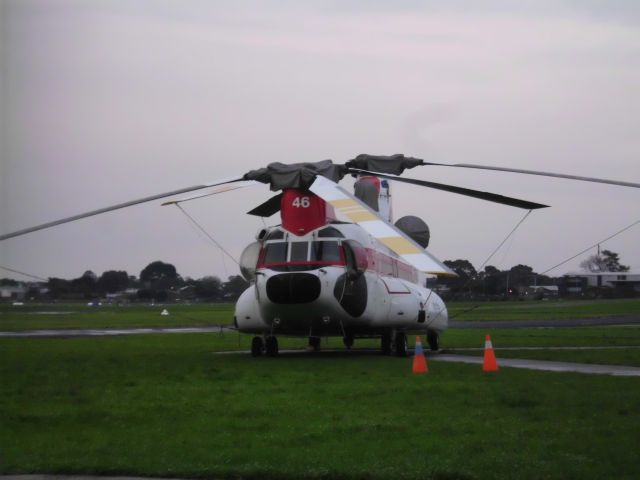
(335, 280)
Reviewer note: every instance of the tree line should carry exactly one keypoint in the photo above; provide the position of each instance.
(491, 282)
(158, 281)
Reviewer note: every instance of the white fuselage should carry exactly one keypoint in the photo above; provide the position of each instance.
(302, 288)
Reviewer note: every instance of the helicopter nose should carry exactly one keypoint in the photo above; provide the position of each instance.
(289, 288)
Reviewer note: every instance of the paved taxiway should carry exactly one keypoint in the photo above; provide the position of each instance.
(546, 365)
(484, 324)
(549, 366)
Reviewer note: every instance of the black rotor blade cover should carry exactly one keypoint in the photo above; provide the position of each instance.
(267, 208)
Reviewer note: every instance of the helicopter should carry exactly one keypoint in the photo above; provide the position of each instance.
(337, 265)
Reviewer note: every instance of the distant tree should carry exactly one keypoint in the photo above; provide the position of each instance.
(86, 284)
(158, 271)
(463, 268)
(595, 263)
(159, 277)
(233, 288)
(607, 261)
(520, 276)
(207, 287)
(90, 274)
(8, 282)
(612, 261)
(113, 281)
(466, 274)
(58, 287)
(492, 278)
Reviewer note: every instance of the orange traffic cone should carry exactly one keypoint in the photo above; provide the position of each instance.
(490, 364)
(419, 360)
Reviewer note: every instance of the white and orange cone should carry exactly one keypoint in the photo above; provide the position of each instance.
(490, 363)
(419, 360)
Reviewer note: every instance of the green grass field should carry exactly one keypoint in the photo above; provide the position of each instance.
(542, 310)
(167, 405)
(170, 406)
(46, 316)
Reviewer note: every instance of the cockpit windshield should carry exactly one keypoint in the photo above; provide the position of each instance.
(275, 253)
(301, 255)
(325, 252)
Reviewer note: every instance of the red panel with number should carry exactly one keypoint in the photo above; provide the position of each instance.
(302, 211)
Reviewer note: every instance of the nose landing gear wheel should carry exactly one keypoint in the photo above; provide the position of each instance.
(314, 344)
(271, 346)
(385, 344)
(257, 345)
(433, 340)
(401, 344)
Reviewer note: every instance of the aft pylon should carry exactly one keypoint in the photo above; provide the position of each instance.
(419, 360)
(490, 363)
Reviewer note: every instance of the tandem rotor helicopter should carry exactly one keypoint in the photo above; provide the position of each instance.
(336, 265)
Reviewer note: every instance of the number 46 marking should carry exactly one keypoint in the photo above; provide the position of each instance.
(303, 202)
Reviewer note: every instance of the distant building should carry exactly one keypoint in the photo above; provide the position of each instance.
(542, 291)
(8, 292)
(623, 282)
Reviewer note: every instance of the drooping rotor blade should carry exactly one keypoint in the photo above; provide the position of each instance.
(372, 223)
(535, 172)
(215, 191)
(117, 207)
(267, 208)
(491, 197)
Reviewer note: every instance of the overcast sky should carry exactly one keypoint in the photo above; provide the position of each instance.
(105, 101)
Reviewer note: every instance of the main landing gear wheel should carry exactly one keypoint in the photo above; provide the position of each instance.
(314, 344)
(257, 345)
(433, 340)
(400, 344)
(348, 341)
(385, 344)
(271, 346)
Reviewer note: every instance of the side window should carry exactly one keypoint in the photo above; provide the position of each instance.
(275, 235)
(325, 252)
(330, 232)
(275, 253)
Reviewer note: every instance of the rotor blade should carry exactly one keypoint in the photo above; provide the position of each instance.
(372, 223)
(116, 207)
(267, 208)
(535, 172)
(221, 189)
(491, 197)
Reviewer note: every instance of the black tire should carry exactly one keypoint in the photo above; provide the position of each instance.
(271, 346)
(314, 343)
(400, 344)
(348, 341)
(385, 344)
(433, 339)
(257, 345)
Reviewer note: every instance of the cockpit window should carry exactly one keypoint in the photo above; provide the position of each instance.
(275, 235)
(330, 232)
(300, 256)
(275, 253)
(325, 252)
(299, 251)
